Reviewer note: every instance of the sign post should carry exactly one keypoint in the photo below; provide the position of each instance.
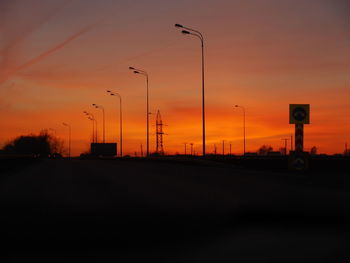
(299, 114)
(299, 137)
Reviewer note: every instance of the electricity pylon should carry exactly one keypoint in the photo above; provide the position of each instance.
(159, 133)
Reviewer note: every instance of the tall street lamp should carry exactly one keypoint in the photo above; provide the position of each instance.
(103, 112)
(69, 141)
(142, 72)
(223, 147)
(93, 128)
(91, 117)
(244, 141)
(120, 120)
(285, 145)
(198, 34)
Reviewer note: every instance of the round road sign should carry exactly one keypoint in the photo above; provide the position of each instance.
(299, 113)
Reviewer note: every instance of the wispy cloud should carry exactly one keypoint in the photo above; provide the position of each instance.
(21, 35)
(45, 54)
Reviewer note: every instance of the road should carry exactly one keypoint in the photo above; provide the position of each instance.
(159, 211)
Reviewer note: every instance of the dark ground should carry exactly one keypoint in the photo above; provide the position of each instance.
(167, 211)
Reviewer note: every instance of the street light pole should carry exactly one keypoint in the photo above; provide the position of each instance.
(93, 128)
(223, 147)
(103, 114)
(142, 72)
(120, 120)
(198, 34)
(244, 140)
(91, 117)
(69, 141)
(285, 146)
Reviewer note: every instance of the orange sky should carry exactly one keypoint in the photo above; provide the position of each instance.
(59, 57)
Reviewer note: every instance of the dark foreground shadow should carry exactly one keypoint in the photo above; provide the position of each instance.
(183, 213)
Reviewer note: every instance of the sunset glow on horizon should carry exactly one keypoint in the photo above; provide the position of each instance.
(57, 58)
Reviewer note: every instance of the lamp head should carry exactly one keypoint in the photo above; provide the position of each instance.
(185, 32)
(178, 25)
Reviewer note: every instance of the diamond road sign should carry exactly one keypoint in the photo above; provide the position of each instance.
(299, 113)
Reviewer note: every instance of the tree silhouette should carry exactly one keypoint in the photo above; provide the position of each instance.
(265, 149)
(313, 150)
(43, 144)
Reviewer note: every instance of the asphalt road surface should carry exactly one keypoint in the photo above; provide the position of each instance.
(159, 211)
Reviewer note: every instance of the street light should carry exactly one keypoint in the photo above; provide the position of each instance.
(244, 141)
(223, 147)
(91, 117)
(285, 145)
(142, 72)
(120, 120)
(198, 34)
(103, 112)
(69, 142)
(93, 128)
